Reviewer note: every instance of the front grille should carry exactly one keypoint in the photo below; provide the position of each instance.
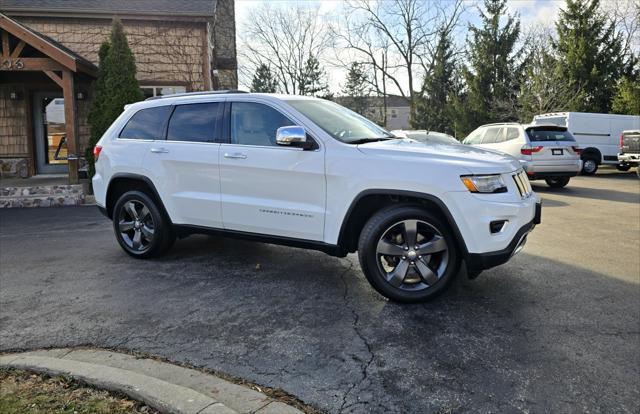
(523, 184)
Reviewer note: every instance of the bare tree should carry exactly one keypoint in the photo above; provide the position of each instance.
(625, 15)
(285, 39)
(396, 38)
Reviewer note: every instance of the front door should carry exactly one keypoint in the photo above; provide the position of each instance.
(267, 188)
(50, 133)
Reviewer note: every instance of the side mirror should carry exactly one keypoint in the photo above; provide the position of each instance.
(291, 136)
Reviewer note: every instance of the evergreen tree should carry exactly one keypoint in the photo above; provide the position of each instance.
(627, 98)
(263, 80)
(312, 79)
(543, 88)
(589, 54)
(95, 118)
(434, 106)
(356, 90)
(491, 77)
(116, 86)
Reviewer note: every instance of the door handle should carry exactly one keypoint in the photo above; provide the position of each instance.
(159, 150)
(235, 155)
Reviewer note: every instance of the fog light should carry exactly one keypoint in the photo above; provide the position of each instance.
(497, 226)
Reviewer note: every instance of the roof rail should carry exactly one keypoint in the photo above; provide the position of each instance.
(175, 95)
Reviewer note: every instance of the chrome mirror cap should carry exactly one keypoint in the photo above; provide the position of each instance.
(288, 135)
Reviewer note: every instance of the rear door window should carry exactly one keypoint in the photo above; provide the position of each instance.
(548, 134)
(146, 124)
(492, 136)
(194, 122)
(511, 133)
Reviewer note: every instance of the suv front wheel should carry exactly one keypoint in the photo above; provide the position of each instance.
(141, 229)
(408, 254)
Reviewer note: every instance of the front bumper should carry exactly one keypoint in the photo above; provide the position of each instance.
(477, 262)
(629, 158)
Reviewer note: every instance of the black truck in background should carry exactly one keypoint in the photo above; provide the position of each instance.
(630, 149)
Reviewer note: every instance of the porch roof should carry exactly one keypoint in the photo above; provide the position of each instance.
(54, 50)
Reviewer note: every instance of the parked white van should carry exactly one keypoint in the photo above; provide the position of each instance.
(597, 134)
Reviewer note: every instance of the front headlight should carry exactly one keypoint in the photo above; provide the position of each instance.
(484, 183)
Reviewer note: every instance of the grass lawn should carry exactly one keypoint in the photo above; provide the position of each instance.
(27, 393)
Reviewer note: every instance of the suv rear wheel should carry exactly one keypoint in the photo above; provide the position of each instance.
(557, 182)
(141, 229)
(408, 254)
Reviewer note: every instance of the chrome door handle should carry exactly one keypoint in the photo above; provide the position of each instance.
(159, 150)
(235, 155)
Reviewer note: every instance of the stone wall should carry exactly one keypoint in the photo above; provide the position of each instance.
(223, 43)
(164, 51)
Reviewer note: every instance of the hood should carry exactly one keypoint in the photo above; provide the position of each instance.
(475, 160)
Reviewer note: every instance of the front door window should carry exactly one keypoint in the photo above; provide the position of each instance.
(54, 131)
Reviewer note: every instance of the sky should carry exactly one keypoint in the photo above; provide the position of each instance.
(534, 13)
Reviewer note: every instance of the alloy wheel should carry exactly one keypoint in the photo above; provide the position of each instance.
(589, 166)
(412, 254)
(136, 226)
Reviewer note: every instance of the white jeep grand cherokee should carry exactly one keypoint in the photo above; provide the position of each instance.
(307, 172)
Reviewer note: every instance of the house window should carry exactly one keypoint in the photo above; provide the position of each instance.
(149, 91)
(394, 113)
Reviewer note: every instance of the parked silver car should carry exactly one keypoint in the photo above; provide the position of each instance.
(547, 152)
(426, 137)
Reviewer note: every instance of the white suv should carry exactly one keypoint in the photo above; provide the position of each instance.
(547, 152)
(307, 172)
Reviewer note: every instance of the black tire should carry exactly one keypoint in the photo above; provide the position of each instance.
(387, 228)
(557, 182)
(589, 166)
(141, 229)
(623, 167)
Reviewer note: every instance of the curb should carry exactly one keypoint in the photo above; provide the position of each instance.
(165, 387)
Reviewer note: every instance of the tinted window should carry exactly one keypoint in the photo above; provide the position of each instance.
(255, 124)
(512, 133)
(146, 124)
(193, 122)
(549, 134)
(493, 135)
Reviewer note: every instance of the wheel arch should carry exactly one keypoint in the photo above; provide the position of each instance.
(123, 182)
(368, 202)
(590, 153)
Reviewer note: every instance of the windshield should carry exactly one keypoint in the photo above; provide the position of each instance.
(340, 122)
(549, 134)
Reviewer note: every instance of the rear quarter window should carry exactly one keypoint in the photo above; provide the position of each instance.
(538, 135)
(146, 124)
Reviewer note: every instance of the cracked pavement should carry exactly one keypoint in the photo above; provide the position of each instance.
(557, 329)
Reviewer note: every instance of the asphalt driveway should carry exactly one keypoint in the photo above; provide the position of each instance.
(555, 330)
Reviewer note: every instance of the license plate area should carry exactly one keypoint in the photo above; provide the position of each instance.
(556, 151)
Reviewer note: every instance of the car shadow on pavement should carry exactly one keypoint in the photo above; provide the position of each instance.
(550, 202)
(532, 335)
(593, 193)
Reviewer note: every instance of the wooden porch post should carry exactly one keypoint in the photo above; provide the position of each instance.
(70, 120)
